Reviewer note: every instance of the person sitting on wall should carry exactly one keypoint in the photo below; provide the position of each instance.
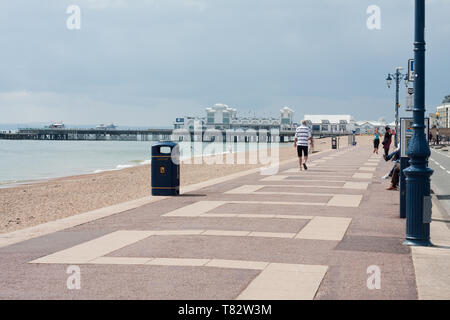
(395, 172)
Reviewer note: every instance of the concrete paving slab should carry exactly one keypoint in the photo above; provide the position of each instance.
(267, 249)
(90, 250)
(195, 209)
(230, 233)
(179, 262)
(272, 234)
(312, 168)
(325, 228)
(285, 282)
(182, 232)
(356, 185)
(237, 264)
(256, 215)
(245, 189)
(295, 170)
(344, 200)
(432, 264)
(344, 185)
(367, 169)
(219, 215)
(287, 216)
(203, 213)
(294, 192)
(275, 178)
(300, 180)
(314, 174)
(362, 175)
(290, 203)
(120, 260)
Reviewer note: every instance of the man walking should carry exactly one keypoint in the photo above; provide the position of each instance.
(302, 136)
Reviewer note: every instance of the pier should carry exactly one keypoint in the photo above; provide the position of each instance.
(88, 134)
(66, 134)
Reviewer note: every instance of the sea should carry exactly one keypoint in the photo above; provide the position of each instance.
(34, 160)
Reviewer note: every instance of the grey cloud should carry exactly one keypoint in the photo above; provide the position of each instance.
(163, 58)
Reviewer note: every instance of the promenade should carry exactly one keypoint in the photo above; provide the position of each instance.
(291, 235)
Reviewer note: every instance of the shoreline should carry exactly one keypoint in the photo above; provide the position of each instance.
(31, 204)
(17, 183)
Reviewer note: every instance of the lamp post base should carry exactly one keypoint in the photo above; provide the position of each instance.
(418, 243)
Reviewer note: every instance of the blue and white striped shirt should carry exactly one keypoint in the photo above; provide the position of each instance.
(303, 133)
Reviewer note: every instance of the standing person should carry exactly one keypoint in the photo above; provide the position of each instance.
(376, 141)
(387, 141)
(302, 136)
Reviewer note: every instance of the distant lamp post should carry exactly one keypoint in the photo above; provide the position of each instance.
(418, 199)
(398, 77)
(437, 127)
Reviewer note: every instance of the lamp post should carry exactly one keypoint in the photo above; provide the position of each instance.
(418, 201)
(397, 76)
(437, 127)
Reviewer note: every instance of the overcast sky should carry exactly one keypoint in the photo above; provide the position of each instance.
(146, 62)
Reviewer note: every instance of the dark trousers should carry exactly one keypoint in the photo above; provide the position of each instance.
(396, 175)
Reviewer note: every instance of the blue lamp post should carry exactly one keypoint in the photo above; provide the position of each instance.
(418, 202)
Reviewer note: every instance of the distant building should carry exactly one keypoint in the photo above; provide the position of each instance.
(287, 118)
(369, 127)
(106, 127)
(433, 120)
(330, 124)
(221, 117)
(57, 125)
(444, 115)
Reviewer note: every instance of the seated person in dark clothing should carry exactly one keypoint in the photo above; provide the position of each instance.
(394, 156)
(395, 177)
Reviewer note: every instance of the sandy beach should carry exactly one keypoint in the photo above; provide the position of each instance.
(31, 204)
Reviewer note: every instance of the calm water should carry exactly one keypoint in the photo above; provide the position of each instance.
(36, 160)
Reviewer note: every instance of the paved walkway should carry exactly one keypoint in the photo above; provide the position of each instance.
(292, 235)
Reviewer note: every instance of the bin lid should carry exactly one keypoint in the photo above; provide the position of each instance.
(156, 148)
(165, 144)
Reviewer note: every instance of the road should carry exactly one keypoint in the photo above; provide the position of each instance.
(440, 180)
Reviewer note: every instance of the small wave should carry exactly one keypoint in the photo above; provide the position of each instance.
(8, 182)
(124, 166)
(100, 170)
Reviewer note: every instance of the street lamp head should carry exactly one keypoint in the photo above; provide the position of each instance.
(389, 80)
